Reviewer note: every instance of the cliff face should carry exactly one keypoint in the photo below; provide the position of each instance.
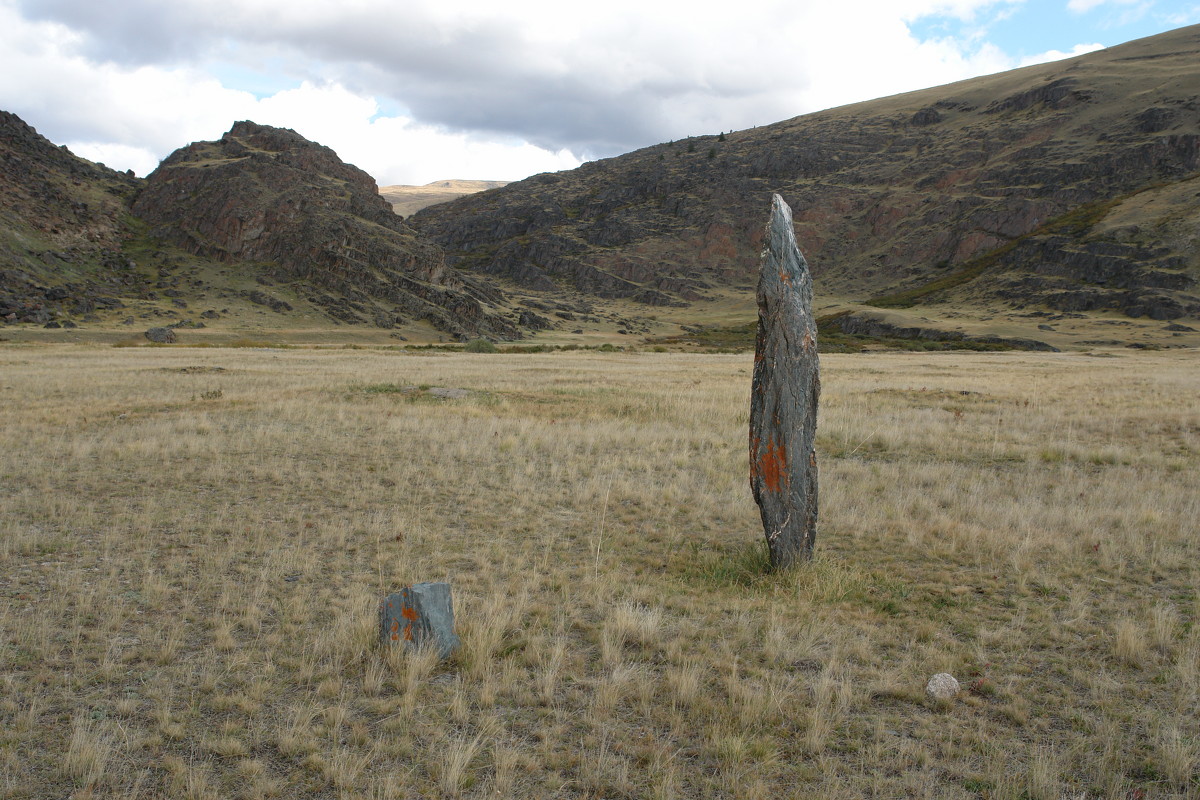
(1026, 169)
(62, 223)
(269, 198)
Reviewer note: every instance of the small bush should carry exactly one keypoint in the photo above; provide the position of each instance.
(479, 346)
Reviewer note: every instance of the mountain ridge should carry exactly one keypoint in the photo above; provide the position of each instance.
(889, 195)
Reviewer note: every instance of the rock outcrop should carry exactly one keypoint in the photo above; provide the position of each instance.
(269, 197)
(162, 335)
(893, 194)
(871, 326)
(784, 397)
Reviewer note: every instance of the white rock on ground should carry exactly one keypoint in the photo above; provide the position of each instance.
(942, 686)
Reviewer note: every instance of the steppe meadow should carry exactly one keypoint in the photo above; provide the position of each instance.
(194, 542)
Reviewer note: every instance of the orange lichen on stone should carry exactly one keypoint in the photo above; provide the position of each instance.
(772, 466)
(410, 614)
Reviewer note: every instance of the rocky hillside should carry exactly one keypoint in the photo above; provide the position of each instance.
(293, 212)
(262, 219)
(1070, 185)
(62, 223)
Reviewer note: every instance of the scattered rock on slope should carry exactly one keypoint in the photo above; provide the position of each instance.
(161, 335)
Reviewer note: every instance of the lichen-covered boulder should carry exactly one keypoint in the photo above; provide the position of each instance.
(419, 615)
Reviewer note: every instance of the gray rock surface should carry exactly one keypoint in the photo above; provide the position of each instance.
(161, 335)
(784, 396)
(419, 615)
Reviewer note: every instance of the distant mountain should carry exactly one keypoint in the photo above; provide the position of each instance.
(407, 200)
(1071, 186)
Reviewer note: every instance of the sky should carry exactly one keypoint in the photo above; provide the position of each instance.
(414, 91)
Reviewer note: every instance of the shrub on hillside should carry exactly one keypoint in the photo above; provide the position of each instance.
(479, 346)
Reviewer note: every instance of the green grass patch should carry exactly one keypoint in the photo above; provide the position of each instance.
(717, 338)
(830, 339)
(519, 349)
(479, 346)
(261, 344)
(384, 388)
(744, 565)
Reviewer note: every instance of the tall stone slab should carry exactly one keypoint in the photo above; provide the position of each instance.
(784, 396)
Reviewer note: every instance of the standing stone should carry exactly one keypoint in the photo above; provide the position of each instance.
(417, 615)
(783, 400)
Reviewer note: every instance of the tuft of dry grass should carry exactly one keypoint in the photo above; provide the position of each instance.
(88, 754)
(1129, 643)
(453, 773)
(189, 583)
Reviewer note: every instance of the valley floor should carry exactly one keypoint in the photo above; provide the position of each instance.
(195, 540)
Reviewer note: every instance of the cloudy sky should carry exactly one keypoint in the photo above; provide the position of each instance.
(419, 90)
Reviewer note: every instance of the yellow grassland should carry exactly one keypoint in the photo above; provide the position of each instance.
(194, 540)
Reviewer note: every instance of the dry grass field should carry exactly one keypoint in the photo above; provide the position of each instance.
(194, 541)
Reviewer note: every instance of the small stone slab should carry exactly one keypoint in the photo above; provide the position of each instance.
(419, 615)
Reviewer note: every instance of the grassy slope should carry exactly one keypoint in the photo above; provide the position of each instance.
(196, 539)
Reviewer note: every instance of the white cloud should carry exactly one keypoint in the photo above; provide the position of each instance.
(398, 149)
(117, 156)
(1058, 55)
(474, 88)
(1084, 6)
(132, 117)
